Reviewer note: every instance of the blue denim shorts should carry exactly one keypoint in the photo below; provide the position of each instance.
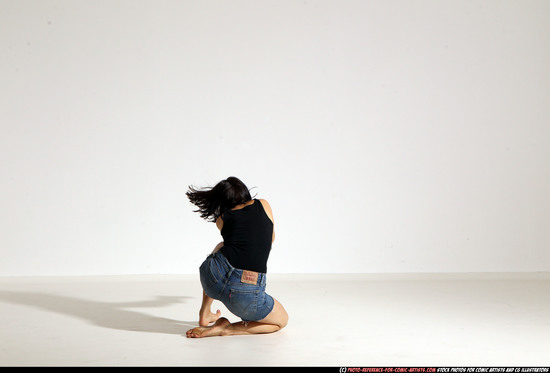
(221, 281)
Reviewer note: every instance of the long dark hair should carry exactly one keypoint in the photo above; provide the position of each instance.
(214, 201)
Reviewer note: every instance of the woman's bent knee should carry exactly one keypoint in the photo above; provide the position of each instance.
(283, 323)
(278, 316)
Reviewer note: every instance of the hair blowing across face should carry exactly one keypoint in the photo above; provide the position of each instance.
(213, 202)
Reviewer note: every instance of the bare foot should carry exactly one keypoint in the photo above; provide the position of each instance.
(206, 317)
(209, 331)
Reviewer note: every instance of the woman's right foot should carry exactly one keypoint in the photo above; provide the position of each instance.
(206, 317)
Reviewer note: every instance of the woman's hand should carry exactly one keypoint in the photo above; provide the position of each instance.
(218, 246)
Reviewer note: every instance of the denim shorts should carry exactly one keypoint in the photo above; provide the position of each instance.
(221, 281)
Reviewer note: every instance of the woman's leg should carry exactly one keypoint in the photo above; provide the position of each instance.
(206, 316)
(276, 320)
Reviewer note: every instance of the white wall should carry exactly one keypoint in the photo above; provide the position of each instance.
(389, 136)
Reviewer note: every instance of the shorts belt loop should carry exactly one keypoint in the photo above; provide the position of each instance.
(229, 273)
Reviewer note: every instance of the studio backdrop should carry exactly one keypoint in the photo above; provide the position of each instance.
(388, 136)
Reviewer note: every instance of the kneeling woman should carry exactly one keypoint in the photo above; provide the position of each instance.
(235, 272)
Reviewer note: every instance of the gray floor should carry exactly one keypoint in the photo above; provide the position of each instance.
(335, 320)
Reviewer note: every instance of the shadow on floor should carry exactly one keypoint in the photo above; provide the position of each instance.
(106, 314)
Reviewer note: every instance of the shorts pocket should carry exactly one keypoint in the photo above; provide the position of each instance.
(243, 303)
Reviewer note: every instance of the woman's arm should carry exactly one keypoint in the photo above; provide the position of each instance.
(219, 223)
(267, 209)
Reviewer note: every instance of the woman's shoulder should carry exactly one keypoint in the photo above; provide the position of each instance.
(267, 208)
(264, 202)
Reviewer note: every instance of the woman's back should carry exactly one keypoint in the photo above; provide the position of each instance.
(247, 234)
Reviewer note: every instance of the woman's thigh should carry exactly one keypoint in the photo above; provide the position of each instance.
(277, 316)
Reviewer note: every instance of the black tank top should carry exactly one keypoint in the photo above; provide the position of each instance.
(247, 235)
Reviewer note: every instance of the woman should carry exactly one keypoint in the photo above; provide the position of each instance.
(235, 272)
